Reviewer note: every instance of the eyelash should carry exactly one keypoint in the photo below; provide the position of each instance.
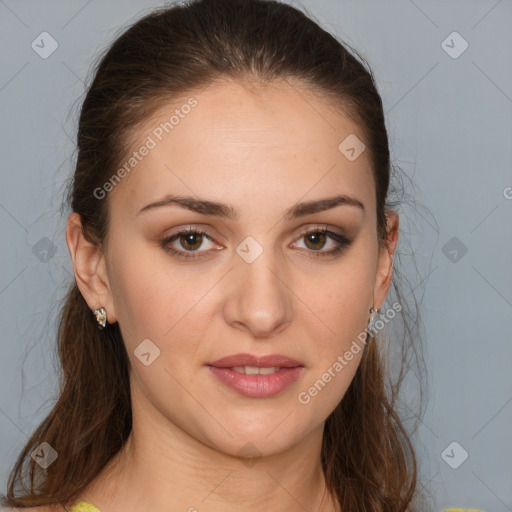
(342, 241)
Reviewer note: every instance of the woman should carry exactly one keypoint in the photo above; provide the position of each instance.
(232, 238)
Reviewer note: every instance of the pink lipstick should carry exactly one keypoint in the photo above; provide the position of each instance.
(257, 376)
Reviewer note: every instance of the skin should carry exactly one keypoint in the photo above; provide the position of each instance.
(262, 152)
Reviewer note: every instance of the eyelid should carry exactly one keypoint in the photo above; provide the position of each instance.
(339, 238)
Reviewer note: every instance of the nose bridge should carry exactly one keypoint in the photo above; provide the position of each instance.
(260, 299)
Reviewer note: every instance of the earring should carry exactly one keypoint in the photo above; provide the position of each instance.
(372, 312)
(101, 317)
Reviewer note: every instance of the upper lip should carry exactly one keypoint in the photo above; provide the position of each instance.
(271, 360)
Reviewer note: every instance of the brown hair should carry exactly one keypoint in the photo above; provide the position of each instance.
(367, 454)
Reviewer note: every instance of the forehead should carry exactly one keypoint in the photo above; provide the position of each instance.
(268, 142)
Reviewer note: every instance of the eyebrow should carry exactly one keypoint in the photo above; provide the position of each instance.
(227, 211)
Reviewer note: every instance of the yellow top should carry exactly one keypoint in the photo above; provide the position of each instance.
(84, 506)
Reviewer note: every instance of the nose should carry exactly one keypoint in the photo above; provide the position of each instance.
(259, 300)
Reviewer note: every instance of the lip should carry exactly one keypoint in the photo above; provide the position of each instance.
(257, 386)
(257, 361)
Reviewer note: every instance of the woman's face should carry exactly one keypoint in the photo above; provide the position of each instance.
(256, 170)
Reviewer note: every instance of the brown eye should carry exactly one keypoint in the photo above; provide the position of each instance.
(186, 243)
(315, 240)
(191, 241)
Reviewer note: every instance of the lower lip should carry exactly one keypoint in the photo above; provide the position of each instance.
(258, 386)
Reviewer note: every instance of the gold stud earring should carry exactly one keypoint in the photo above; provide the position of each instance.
(101, 317)
(371, 320)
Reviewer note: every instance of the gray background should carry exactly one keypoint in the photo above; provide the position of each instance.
(450, 127)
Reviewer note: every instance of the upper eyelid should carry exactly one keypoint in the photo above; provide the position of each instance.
(204, 232)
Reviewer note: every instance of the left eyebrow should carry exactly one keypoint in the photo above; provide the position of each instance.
(207, 207)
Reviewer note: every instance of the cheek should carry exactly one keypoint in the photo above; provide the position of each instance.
(344, 298)
(156, 300)
(138, 299)
(343, 303)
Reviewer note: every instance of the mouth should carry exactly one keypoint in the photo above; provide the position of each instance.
(257, 376)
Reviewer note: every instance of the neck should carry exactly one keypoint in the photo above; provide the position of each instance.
(159, 467)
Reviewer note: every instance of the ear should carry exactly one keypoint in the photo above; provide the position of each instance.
(384, 275)
(90, 268)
